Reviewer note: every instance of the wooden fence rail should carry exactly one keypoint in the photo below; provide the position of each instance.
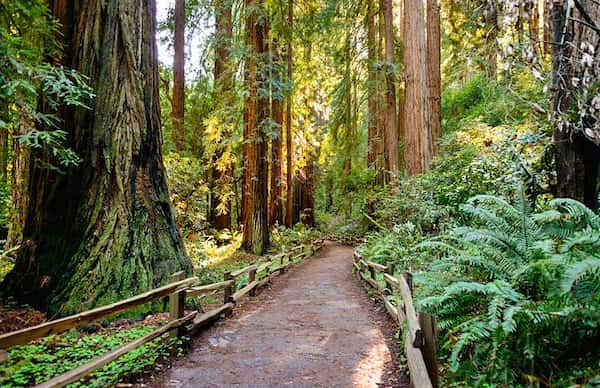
(420, 344)
(179, 323)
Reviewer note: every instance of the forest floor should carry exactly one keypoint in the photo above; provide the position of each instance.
(314, 327)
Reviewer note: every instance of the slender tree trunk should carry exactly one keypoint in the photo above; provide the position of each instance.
(382, 123)
(375, 157)
(256, 230)
(415, 112)
(276, 192)
(222, 174)
(105, 230)
(391, 127)
(577, 151)
(548, 38)
(288, 120)
(177, 113)
(433, 67)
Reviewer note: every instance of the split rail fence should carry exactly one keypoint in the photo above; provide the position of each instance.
(178, 290)
(420, 344)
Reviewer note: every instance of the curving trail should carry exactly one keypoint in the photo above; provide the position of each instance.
(314, 327)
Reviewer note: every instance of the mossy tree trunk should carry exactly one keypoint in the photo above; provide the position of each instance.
(105, 230)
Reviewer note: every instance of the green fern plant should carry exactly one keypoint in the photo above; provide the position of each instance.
(519, 296)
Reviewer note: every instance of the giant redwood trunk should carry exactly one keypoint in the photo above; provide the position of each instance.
(222, 173)
(256, 167)
(288, 121)
(391, 126)
(276, 189)
(415, 107)
(575, 56)
(433, 69)
(177, 113)
(105, 230)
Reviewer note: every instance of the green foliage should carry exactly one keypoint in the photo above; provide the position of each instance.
(52, 356)
(517, 291)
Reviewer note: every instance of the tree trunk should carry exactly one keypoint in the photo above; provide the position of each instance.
(177, 112)
(391, 127)
(256, 230)
(415, 112)
(105, 230)
(222, 173)
(548, 39)
(372, 89)
(276, 192)
(433, 68)
(288, 121)
(576, 139)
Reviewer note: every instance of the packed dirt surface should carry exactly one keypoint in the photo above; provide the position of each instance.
(314, 327)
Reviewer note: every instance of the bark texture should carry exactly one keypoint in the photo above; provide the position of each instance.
(434, 71)
(288, 121)
(415, 110)
(177, 113)
(105, 230)
(576, 140)
(276, 189)
(391, 125)
(256, 167)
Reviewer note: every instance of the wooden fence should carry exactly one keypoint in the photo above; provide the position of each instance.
(420, 344)
(178, 290)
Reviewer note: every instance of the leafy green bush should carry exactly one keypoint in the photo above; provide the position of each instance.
(516, 292)
(52, 356)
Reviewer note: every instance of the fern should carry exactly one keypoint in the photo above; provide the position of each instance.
(513, 286)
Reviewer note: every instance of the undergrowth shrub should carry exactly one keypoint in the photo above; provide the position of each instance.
(517, 293)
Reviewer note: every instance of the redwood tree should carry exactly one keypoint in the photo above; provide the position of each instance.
(177, 113)
(220, 206)
(256, 167)
(276, 189)
(104, 230)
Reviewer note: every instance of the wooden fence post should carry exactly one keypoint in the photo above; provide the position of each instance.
(372, 272)
(428, 325)
(176, 304)
(251, 278)
(390, 271)
(227, 291)
(282, 265)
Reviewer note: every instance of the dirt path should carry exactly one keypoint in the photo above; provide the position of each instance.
(314, 327)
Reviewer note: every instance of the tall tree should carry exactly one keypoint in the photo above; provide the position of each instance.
(415, 111)
(375, 157)
(391, 126)
(288, 118)
(433, 69)
(276, 189)
(177, 113)
(104, 230)
(256, 167)
(576, 74)
(222, 173)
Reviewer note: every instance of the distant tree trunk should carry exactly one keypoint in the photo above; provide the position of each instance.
(577, 151)
(391, 126)
(548, 39)
(491, 43)
(105, 230)
(276, 192)
(415, 112)
(372, 157)
(177, 113)
(222, 177)
(433, 67)
(306, 193)
(288, 121)
(383, 147)
(256, 168)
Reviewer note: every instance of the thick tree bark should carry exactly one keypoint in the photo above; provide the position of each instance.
(177, 113)
(276, 191)
(288, 121)
(577, 140)
(105, 230)
(256, 230)
(433, 68)
(415, 111)
(222, 177)
(391, 126)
